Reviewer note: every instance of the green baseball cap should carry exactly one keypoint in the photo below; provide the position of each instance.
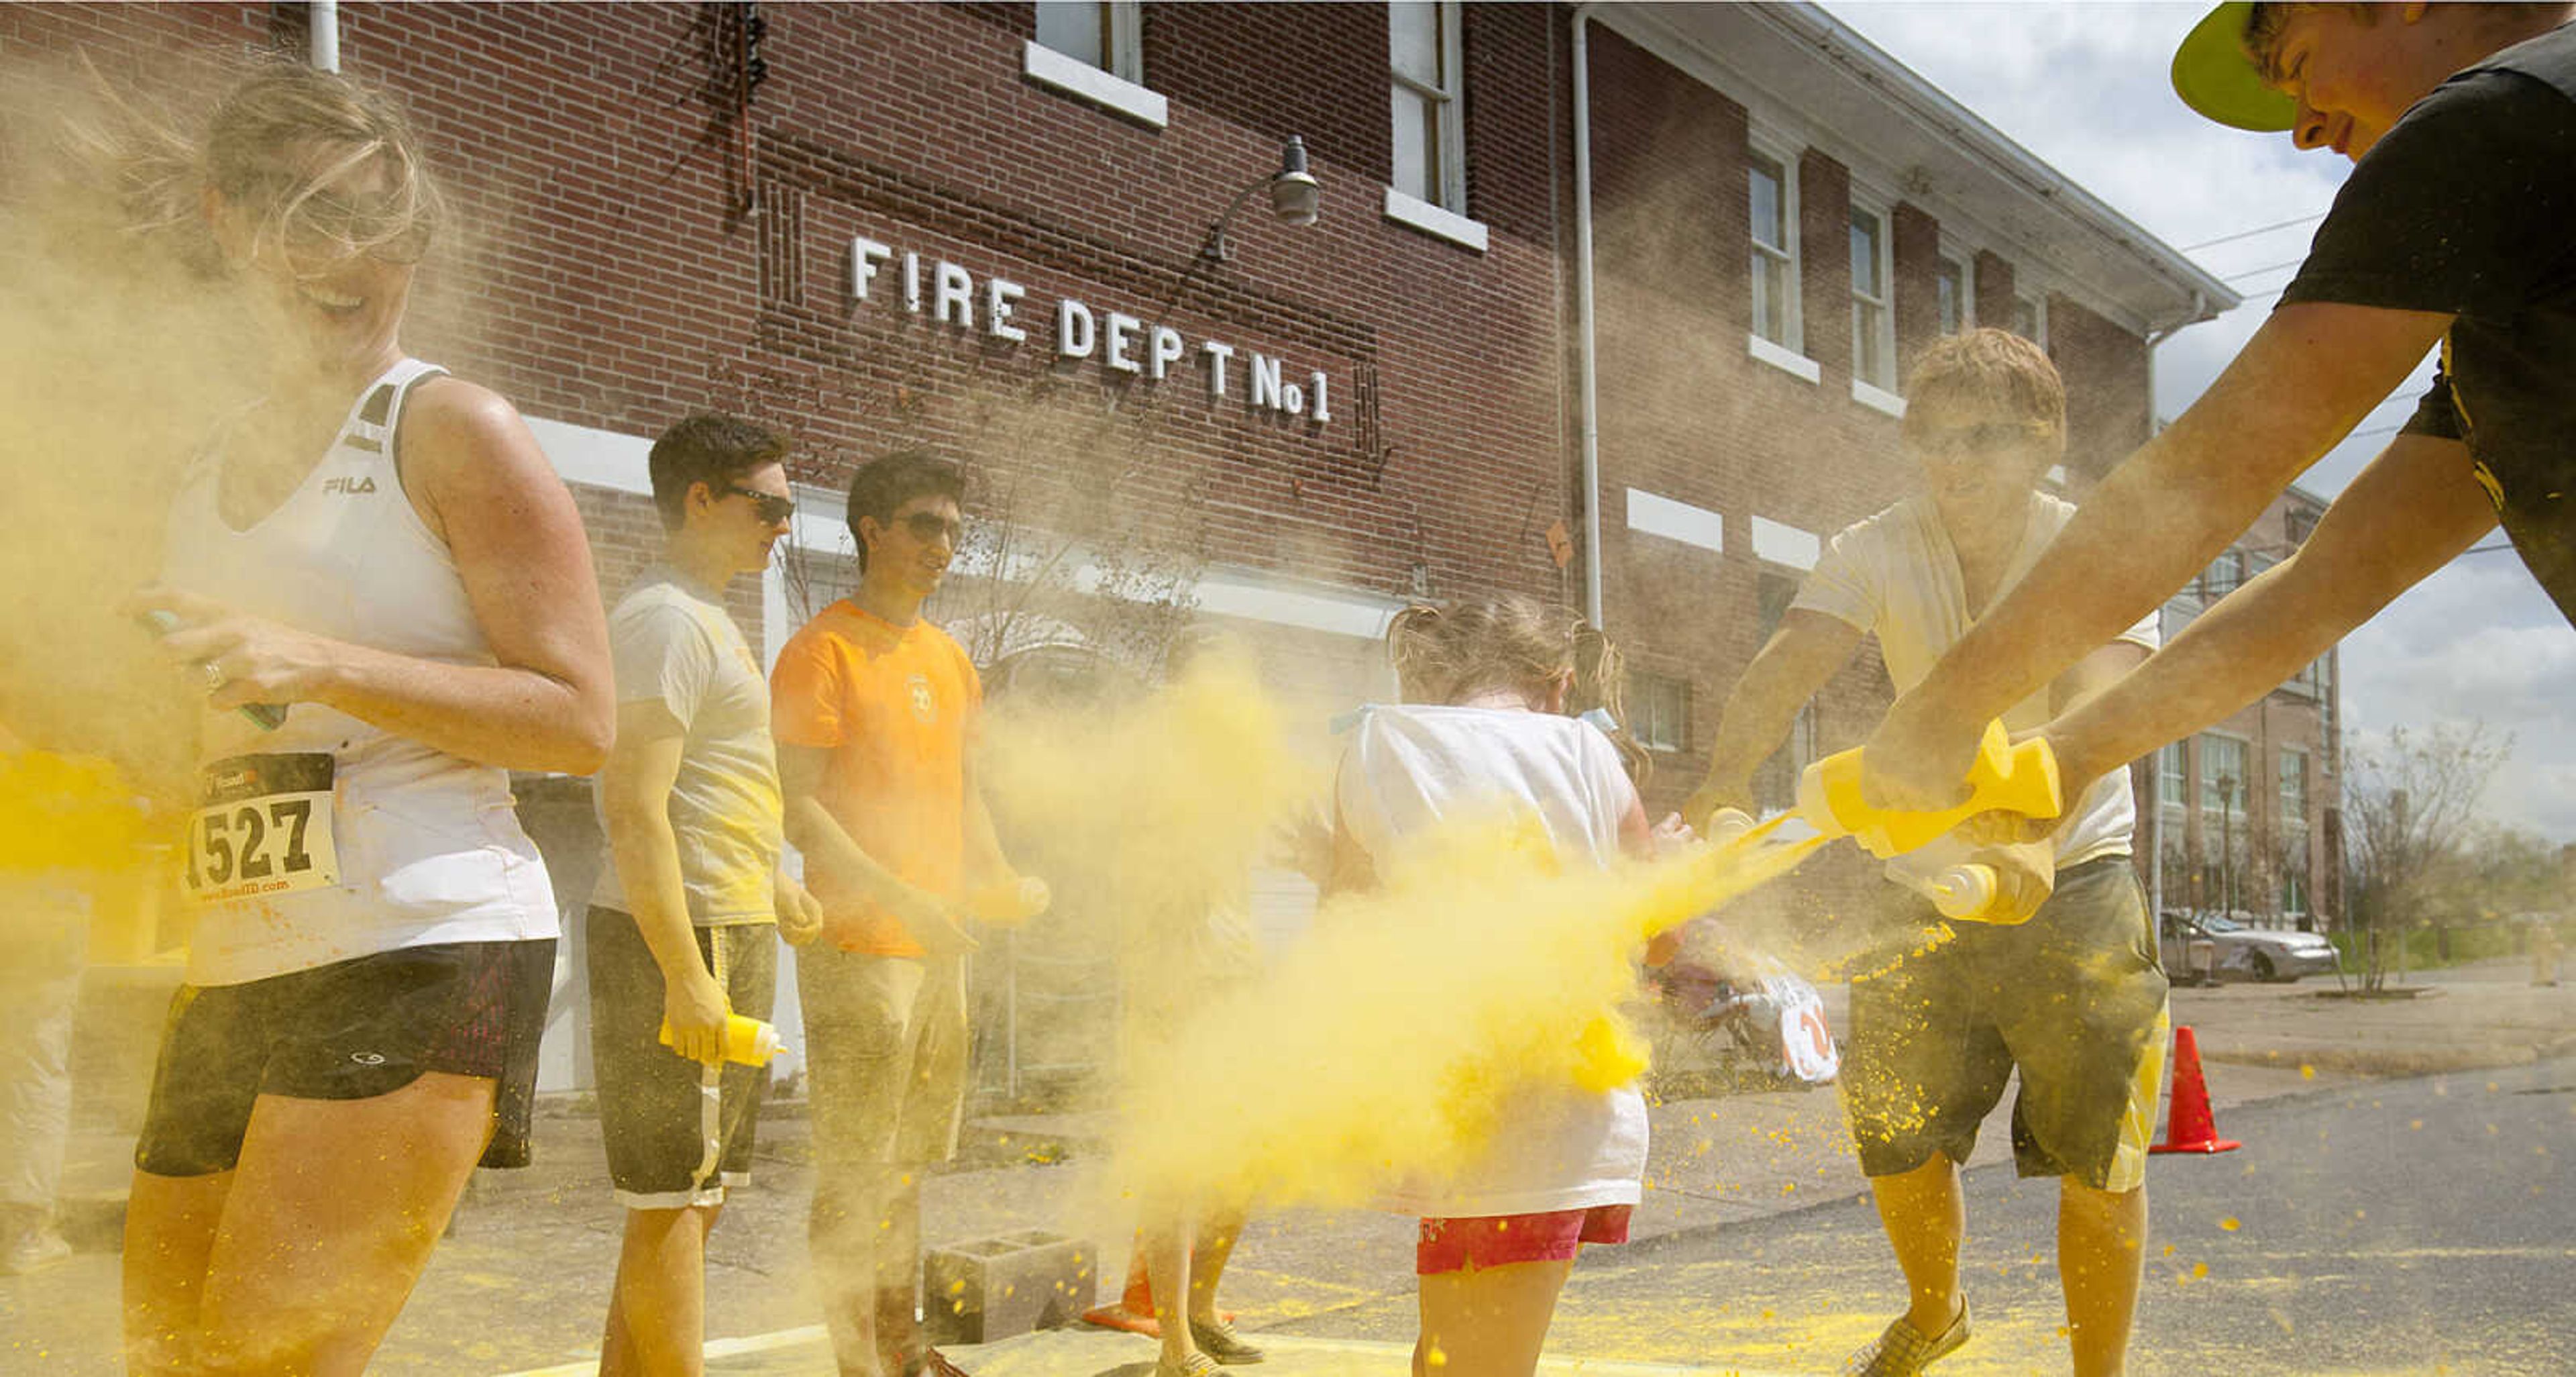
(2213, 75)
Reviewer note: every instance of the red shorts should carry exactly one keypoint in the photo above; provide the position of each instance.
(1463, 1245)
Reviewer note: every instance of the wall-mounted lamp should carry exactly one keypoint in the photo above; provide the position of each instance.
(1295, 197)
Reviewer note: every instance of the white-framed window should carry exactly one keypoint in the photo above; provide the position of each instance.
(2224, 792)
(1659, 712)
(1954, 293)
(2173, 781)
(1775, 249)
(1107, 35)
(1873, 274)
(2294, 832)
(1430, 128)
(1095, 51)
(2030, 318)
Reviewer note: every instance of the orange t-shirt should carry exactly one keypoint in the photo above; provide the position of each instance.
(896, 706)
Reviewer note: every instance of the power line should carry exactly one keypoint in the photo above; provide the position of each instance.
(2266, 268)
(2248, 234)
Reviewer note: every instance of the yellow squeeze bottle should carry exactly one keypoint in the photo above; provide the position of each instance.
(2005, 777)
(747, 1039)
(1009, 902)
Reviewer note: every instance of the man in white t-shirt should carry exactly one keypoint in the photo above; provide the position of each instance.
(2073, 998)
(683, 924)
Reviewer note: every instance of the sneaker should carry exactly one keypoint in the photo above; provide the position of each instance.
(1902, 1351)
(33, 1250)
(1217, 1339)
(1194, 1365)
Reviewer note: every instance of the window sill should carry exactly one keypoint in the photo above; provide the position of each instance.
(1878, 399)
(1788, 361)
(1432, 220)
(1082, 81)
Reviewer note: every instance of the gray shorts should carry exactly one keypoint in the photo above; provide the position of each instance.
(2074, 999)
(652, 1103)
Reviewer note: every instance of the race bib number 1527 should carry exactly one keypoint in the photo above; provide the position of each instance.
(263, 827)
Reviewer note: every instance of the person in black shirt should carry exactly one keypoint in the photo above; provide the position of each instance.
(2453, 228)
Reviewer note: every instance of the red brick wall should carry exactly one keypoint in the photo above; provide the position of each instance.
(605, 277)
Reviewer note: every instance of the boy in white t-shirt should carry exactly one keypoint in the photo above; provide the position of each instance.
(2073, 998)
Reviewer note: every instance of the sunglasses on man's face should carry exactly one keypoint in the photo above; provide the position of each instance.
(929, 526)
(769, 506)
(1977, 439)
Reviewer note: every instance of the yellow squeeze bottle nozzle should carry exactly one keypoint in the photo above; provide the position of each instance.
(2005, 778)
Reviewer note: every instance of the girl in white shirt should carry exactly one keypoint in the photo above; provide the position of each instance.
(1486, 686)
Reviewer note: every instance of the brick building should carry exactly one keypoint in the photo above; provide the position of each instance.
(1608, 306)
(2246, 818)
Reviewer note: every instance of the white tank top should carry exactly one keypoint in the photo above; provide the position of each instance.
(330, 838)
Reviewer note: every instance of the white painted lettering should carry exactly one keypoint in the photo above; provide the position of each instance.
(1075, 334)
(1166, 351)
(1292, 399)
(865, 255)
(1122, 333)
(1323, 412)
(1265, 382)
(912, 283)
(1217, 354)
(956, 303)
(1000, 295)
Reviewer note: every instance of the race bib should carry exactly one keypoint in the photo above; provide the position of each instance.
(263, 827)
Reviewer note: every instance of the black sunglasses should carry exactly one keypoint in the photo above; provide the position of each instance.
(929, 526)
(1976, 439)
(770, 507)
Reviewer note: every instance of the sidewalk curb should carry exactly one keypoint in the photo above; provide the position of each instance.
(2389, 1063)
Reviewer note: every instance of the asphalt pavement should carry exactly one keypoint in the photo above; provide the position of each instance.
(1755, 1247)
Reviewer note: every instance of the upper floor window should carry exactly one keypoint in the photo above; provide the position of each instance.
(1950, 295)
(1103, 35)
(2222, 779)
(1430, 133)
(1775, 255)
(2173, 784)
(1873, 324)
(2030, 319)
(2294, 790)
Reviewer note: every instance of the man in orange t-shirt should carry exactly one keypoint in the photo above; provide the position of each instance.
(875, 714)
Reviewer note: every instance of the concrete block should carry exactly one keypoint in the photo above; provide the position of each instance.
(994, 1288)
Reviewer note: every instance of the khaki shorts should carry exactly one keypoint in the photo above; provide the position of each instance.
(886, 1039)
(2074, 999)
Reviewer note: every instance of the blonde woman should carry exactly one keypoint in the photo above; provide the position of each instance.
(386, 598)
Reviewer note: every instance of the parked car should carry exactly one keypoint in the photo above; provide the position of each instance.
(2244, 951)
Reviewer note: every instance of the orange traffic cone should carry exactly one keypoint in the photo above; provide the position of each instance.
(2190, 1127)
(1133, 1311)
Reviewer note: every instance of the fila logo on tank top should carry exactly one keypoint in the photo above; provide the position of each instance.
(329, 837)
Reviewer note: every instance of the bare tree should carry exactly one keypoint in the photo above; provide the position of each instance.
(2410, 804)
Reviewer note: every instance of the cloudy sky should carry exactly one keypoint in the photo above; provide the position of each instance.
(2083, 86)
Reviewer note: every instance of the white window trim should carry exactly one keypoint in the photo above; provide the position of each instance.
(1453, 117)
(1079, 79)
(1864, 204)
(1794, 364)
(1951, 251)
(1791, 547)
(1878, 399)
(1772, 147)
(1658, 515)
(1431, 219)
(2036, 292)
(2243, 807)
